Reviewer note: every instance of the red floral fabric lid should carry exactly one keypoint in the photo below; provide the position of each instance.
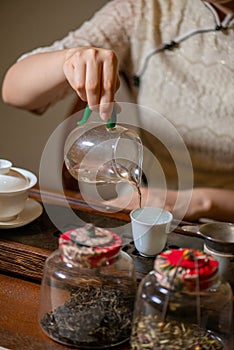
(89, 246)
(185, 269)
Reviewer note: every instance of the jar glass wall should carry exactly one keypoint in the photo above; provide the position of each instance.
(167, 318)
(88, 306)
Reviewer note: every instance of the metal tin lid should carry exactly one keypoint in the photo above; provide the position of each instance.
(186, 269)
(89, 246)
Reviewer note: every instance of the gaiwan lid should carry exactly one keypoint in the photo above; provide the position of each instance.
(12, 181)
(185, 269)
(89, 246)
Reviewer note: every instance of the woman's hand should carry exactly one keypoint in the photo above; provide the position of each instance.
(217, 204)
(181, 204)
(187, 204)
(34, 82)
(93, 74)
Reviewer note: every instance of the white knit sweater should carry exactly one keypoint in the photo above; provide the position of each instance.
(192, 85)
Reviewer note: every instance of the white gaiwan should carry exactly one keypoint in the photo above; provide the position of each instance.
(13, 181)
(15, 184)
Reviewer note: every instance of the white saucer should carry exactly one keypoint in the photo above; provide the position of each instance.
(32, 211)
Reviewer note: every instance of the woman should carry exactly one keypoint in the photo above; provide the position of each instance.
(177, 57)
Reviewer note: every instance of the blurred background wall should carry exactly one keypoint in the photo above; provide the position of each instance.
(27, 24)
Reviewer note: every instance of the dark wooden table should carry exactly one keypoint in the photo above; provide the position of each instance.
(23, 252)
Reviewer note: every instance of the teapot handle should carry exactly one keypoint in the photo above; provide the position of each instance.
(86, 116)
(110, 123)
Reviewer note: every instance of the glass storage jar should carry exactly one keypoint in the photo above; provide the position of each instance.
(182, 304)
(88, 290)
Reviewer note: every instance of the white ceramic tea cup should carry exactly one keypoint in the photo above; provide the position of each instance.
(150, 229)
(15, 184)
(5, 166)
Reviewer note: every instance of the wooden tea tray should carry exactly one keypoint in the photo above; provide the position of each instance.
(23, 250)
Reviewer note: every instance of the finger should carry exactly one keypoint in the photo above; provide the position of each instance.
(93, 81)
(117, 83)
(68, 69)
(109, 84)
(80, 81)
(118, 107)
(75, 71)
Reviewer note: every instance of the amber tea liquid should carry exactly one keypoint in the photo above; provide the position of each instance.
(109, 173)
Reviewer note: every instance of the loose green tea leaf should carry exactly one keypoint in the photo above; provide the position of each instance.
(93, 315)
(151, 334)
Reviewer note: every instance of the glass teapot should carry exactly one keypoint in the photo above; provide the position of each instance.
(98, 153)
